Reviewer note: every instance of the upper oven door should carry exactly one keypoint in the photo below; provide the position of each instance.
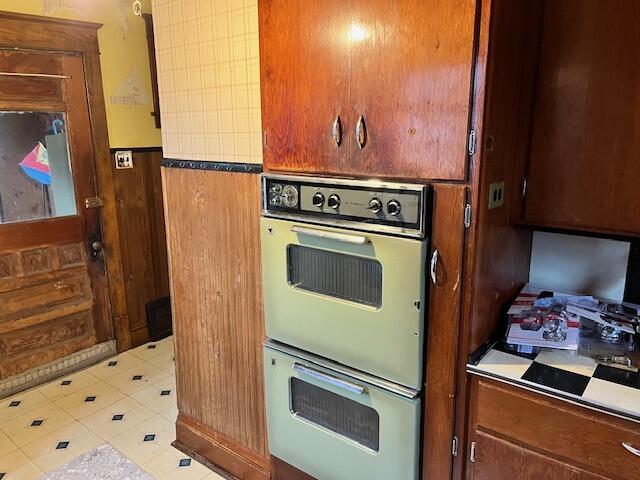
(354, 297)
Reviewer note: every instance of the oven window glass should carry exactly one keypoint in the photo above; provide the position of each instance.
(338, 275)
(336, 413)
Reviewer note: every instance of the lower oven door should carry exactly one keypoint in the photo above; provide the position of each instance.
(335, 427)
(354, 297)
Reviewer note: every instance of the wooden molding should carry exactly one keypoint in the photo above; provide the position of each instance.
(106, 190)
(51, 34)
(222, 451)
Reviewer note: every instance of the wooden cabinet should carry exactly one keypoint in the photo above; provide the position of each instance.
(367, 87)
(498, 459)
(518, 434)
(305, 83)
(583, 168)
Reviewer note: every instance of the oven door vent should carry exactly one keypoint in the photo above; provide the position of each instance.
(347, 277)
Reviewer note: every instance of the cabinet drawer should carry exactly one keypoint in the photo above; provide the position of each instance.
(35, 298)
(563, 430)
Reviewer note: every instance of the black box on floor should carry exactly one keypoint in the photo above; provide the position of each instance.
(159, 318)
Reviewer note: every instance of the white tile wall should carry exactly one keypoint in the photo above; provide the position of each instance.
(209, 79)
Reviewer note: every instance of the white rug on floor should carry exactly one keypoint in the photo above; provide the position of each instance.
(102, 463)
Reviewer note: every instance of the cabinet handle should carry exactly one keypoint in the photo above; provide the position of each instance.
(330, 379)
(630, 448)
(361, 133)
(336, 132)
(434, 267)
(327, 235)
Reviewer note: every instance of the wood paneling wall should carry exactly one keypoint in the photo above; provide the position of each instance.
(501, 265)
(212, 223)
(142, 237)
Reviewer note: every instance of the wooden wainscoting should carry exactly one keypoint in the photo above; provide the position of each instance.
(212, 221)
(142, 236)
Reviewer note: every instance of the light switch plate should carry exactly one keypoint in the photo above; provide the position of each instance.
(496, 195)
(124, 159)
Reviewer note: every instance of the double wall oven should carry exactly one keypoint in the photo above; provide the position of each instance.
(344, 297)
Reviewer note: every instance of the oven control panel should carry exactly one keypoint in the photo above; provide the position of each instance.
(366, 205)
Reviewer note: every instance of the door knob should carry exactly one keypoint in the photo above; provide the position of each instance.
(96, 246)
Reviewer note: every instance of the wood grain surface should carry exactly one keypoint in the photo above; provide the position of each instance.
(411, 81)
(142, 237)
(447, 237)
(47, 33)
(583, 170)
(54, 292)
(212, 221)
(585, 439)
(404, 65)
(304, 71)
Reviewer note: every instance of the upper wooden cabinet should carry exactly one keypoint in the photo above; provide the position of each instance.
(368, 87)
(583, 168)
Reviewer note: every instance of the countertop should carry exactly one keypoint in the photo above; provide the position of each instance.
(562, 374)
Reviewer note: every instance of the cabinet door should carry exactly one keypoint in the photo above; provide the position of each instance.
(411, 65)
(304, 69)
(498, 459)
(583, 170)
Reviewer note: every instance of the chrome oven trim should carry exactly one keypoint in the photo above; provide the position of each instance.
(419, 233)
(343, 370)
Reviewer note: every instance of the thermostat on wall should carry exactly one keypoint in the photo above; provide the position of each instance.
(124, 159)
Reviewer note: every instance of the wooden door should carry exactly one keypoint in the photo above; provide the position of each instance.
(411, 66)
(304, 66)
(583, 167)
(53, 289)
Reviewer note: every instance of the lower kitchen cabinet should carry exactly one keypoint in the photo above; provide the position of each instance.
(497, 458)
(515, 433)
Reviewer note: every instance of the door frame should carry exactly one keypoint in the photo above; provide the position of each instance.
(54, 35)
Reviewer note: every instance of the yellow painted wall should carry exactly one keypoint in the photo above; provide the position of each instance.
(123, 46)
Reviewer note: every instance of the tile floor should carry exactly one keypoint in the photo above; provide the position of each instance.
(127, 401)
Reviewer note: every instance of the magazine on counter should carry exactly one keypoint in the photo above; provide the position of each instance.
(545, 329)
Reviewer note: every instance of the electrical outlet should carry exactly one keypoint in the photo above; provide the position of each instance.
(124, 159)
(496, 195)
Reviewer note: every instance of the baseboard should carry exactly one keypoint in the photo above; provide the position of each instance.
(57, 368)
(222, 452)
(280, 470)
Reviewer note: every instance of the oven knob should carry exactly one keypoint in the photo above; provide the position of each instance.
(375, 205)
(393, 207)
(318, 200)
(333, 201)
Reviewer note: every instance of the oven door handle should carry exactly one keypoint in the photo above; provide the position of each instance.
(340, 237)
(330, 379)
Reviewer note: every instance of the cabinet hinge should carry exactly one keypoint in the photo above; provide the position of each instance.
(467, 215)
(472, 142)
(472, 453)
(454, 446)
(525, 184)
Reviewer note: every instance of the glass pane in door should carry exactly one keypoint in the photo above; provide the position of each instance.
(36, 180)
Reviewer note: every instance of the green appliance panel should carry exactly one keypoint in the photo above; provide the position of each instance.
(391, 424)
(374, 319)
